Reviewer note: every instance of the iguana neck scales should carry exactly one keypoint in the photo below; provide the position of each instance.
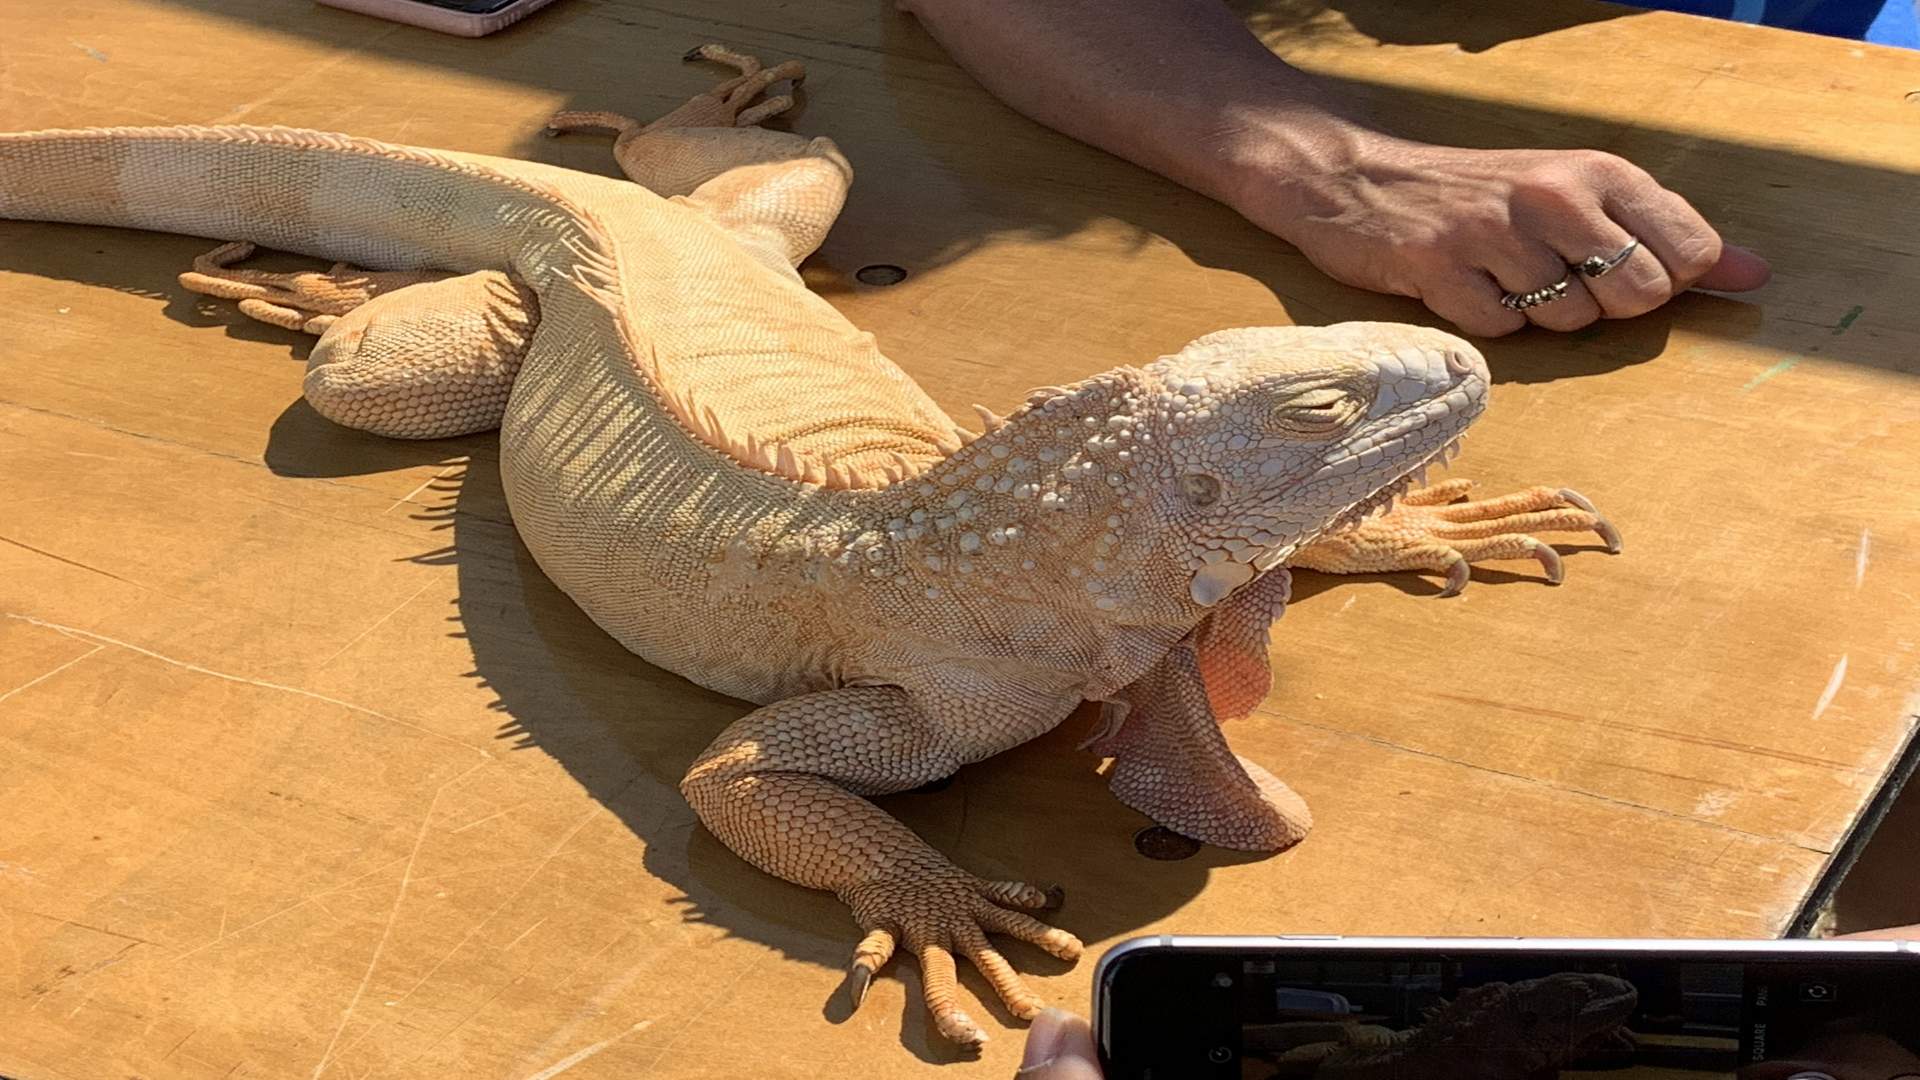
(736, 484)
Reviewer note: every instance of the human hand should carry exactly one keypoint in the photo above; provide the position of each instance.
(1458, 229)
(1896, 933)
(1059, 1047)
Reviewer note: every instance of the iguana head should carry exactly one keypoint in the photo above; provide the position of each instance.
(1144, 496)
(1150, 494)
(1516, 1029)
(1267, 437)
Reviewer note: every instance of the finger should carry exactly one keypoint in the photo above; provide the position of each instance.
(1538, 497)
(773, 106)
(1539, 266)
(1635, 286)
(1059, 1047)
(1019, 894)
(1026, 928)
(223, 256)
(1738, 270)
(1019, 999)
(943, 999)
(1471, 301)
(869, 956)
(223, 287)
(1436, 494)
(1667, 225)
(273, 314)
(720, 54)
(1569, 519)
(1512, 547)
(1534, 509)
(746, 88)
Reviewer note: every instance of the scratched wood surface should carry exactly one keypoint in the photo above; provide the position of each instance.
(305, 771)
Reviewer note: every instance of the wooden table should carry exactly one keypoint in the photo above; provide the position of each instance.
(307, 771)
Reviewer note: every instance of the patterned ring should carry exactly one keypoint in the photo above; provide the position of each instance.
(1599, 266)
(1546, 295)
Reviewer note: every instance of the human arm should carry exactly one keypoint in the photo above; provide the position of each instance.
(1182, 88)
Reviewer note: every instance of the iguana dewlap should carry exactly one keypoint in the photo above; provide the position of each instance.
(735, 483)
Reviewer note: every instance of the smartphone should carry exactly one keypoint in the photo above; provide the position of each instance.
(467, 18)
(1241, 1008)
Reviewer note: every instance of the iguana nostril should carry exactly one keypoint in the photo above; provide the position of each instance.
(1461, 362)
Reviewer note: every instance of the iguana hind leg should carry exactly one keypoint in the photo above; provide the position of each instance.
(409, 354)
(782, 787)
(1428, 529)
(778, 193)
(300, 300)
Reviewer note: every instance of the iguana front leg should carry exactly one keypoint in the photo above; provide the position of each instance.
(1172, 763)
(782, 788)
(1428, 530)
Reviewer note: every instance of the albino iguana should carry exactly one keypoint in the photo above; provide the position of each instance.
(735, 483)
(1495, 1031)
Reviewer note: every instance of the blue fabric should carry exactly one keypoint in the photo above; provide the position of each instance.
(1885, 22)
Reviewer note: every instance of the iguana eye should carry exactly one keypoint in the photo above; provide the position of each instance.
(1200, 489)
(1318, 413)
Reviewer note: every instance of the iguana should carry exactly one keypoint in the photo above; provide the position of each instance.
(1495, 1031)
(734, 483)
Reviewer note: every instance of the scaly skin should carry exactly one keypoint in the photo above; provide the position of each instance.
(1496, 1031)
(735, 484)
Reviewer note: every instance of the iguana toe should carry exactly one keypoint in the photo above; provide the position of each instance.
(1430, 530)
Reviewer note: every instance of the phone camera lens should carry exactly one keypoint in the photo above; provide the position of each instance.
(1817, 992)
(1220, 1055)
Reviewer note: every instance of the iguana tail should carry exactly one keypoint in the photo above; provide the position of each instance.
(333, 196)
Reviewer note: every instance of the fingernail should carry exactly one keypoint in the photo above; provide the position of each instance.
(1044, 1039)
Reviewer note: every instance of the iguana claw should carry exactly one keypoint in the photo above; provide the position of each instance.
(1608, 534)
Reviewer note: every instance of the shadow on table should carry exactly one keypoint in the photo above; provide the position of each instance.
(944, 169)
(626, 731)
(1391, 22)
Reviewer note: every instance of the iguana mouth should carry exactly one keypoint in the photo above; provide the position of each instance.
(1382, 500)
(1377, 503)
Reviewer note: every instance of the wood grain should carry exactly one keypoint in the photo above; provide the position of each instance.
(308, 772)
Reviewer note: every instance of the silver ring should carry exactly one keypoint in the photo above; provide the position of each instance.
(1546, 295)
(1600, 266)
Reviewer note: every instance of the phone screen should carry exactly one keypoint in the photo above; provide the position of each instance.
(1527, 1016)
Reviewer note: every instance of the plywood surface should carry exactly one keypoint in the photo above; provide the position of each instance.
(305, 770)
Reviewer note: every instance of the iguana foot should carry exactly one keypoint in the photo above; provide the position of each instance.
(730, 99)
(944, 912)
(1428, 529)
(302, 300)
(729, 104)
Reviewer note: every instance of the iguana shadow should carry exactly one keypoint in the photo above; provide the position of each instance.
(626, 731)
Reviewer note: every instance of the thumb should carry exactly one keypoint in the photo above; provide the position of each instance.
(1737, 271)
(1059, 1047)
